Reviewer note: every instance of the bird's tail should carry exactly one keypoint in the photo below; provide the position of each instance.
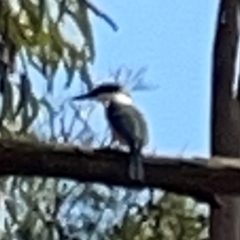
(136, 171)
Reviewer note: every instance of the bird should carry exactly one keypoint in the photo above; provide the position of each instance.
(126, 122)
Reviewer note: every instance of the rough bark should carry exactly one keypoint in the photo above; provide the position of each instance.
(196, 177)
(225, 220)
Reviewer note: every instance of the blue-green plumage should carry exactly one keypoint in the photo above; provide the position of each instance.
(126, 122)
(131, 130)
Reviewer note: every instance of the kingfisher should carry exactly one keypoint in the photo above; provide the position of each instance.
(126, 122)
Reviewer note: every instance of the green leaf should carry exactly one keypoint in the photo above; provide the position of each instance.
(62, 7)
(76, 60)
(24, 93)
(70, 70)
(27, 119)
(81, 18)
(32, 12)
(44, 102)
(34, 105)
(85, 76)
(42, 9)
(57, 42)
(7, 102)
(5, 133)
(12, 209)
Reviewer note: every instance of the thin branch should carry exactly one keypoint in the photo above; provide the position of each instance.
(24, 63)
(101, 14)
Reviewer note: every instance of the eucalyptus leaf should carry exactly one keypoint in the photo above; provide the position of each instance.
(7, 102)
(24, 93)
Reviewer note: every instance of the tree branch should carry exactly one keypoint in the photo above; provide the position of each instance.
(101, 14)
(198, 177)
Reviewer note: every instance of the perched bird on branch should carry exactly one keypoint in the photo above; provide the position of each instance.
(126, 122)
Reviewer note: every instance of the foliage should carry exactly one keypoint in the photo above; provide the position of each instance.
(36, 33)
(171, 218)
(58, 209)
(32, 33)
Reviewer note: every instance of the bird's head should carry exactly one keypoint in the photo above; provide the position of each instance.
(106, 93)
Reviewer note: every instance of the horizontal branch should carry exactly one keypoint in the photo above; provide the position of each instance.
(196, 177)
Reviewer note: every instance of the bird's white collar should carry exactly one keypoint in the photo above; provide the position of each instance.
(122, 98)
(119, 98)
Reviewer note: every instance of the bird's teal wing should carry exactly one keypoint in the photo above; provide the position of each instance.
(130, 125)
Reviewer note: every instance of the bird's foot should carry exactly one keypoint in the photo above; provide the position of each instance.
(136, 172)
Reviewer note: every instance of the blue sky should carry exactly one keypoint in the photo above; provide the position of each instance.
(174, 40)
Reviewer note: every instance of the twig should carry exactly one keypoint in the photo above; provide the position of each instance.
(101, 14)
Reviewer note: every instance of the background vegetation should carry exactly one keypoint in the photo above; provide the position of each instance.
(33, 37)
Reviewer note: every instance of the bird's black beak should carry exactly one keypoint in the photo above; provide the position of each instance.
(82, 97)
